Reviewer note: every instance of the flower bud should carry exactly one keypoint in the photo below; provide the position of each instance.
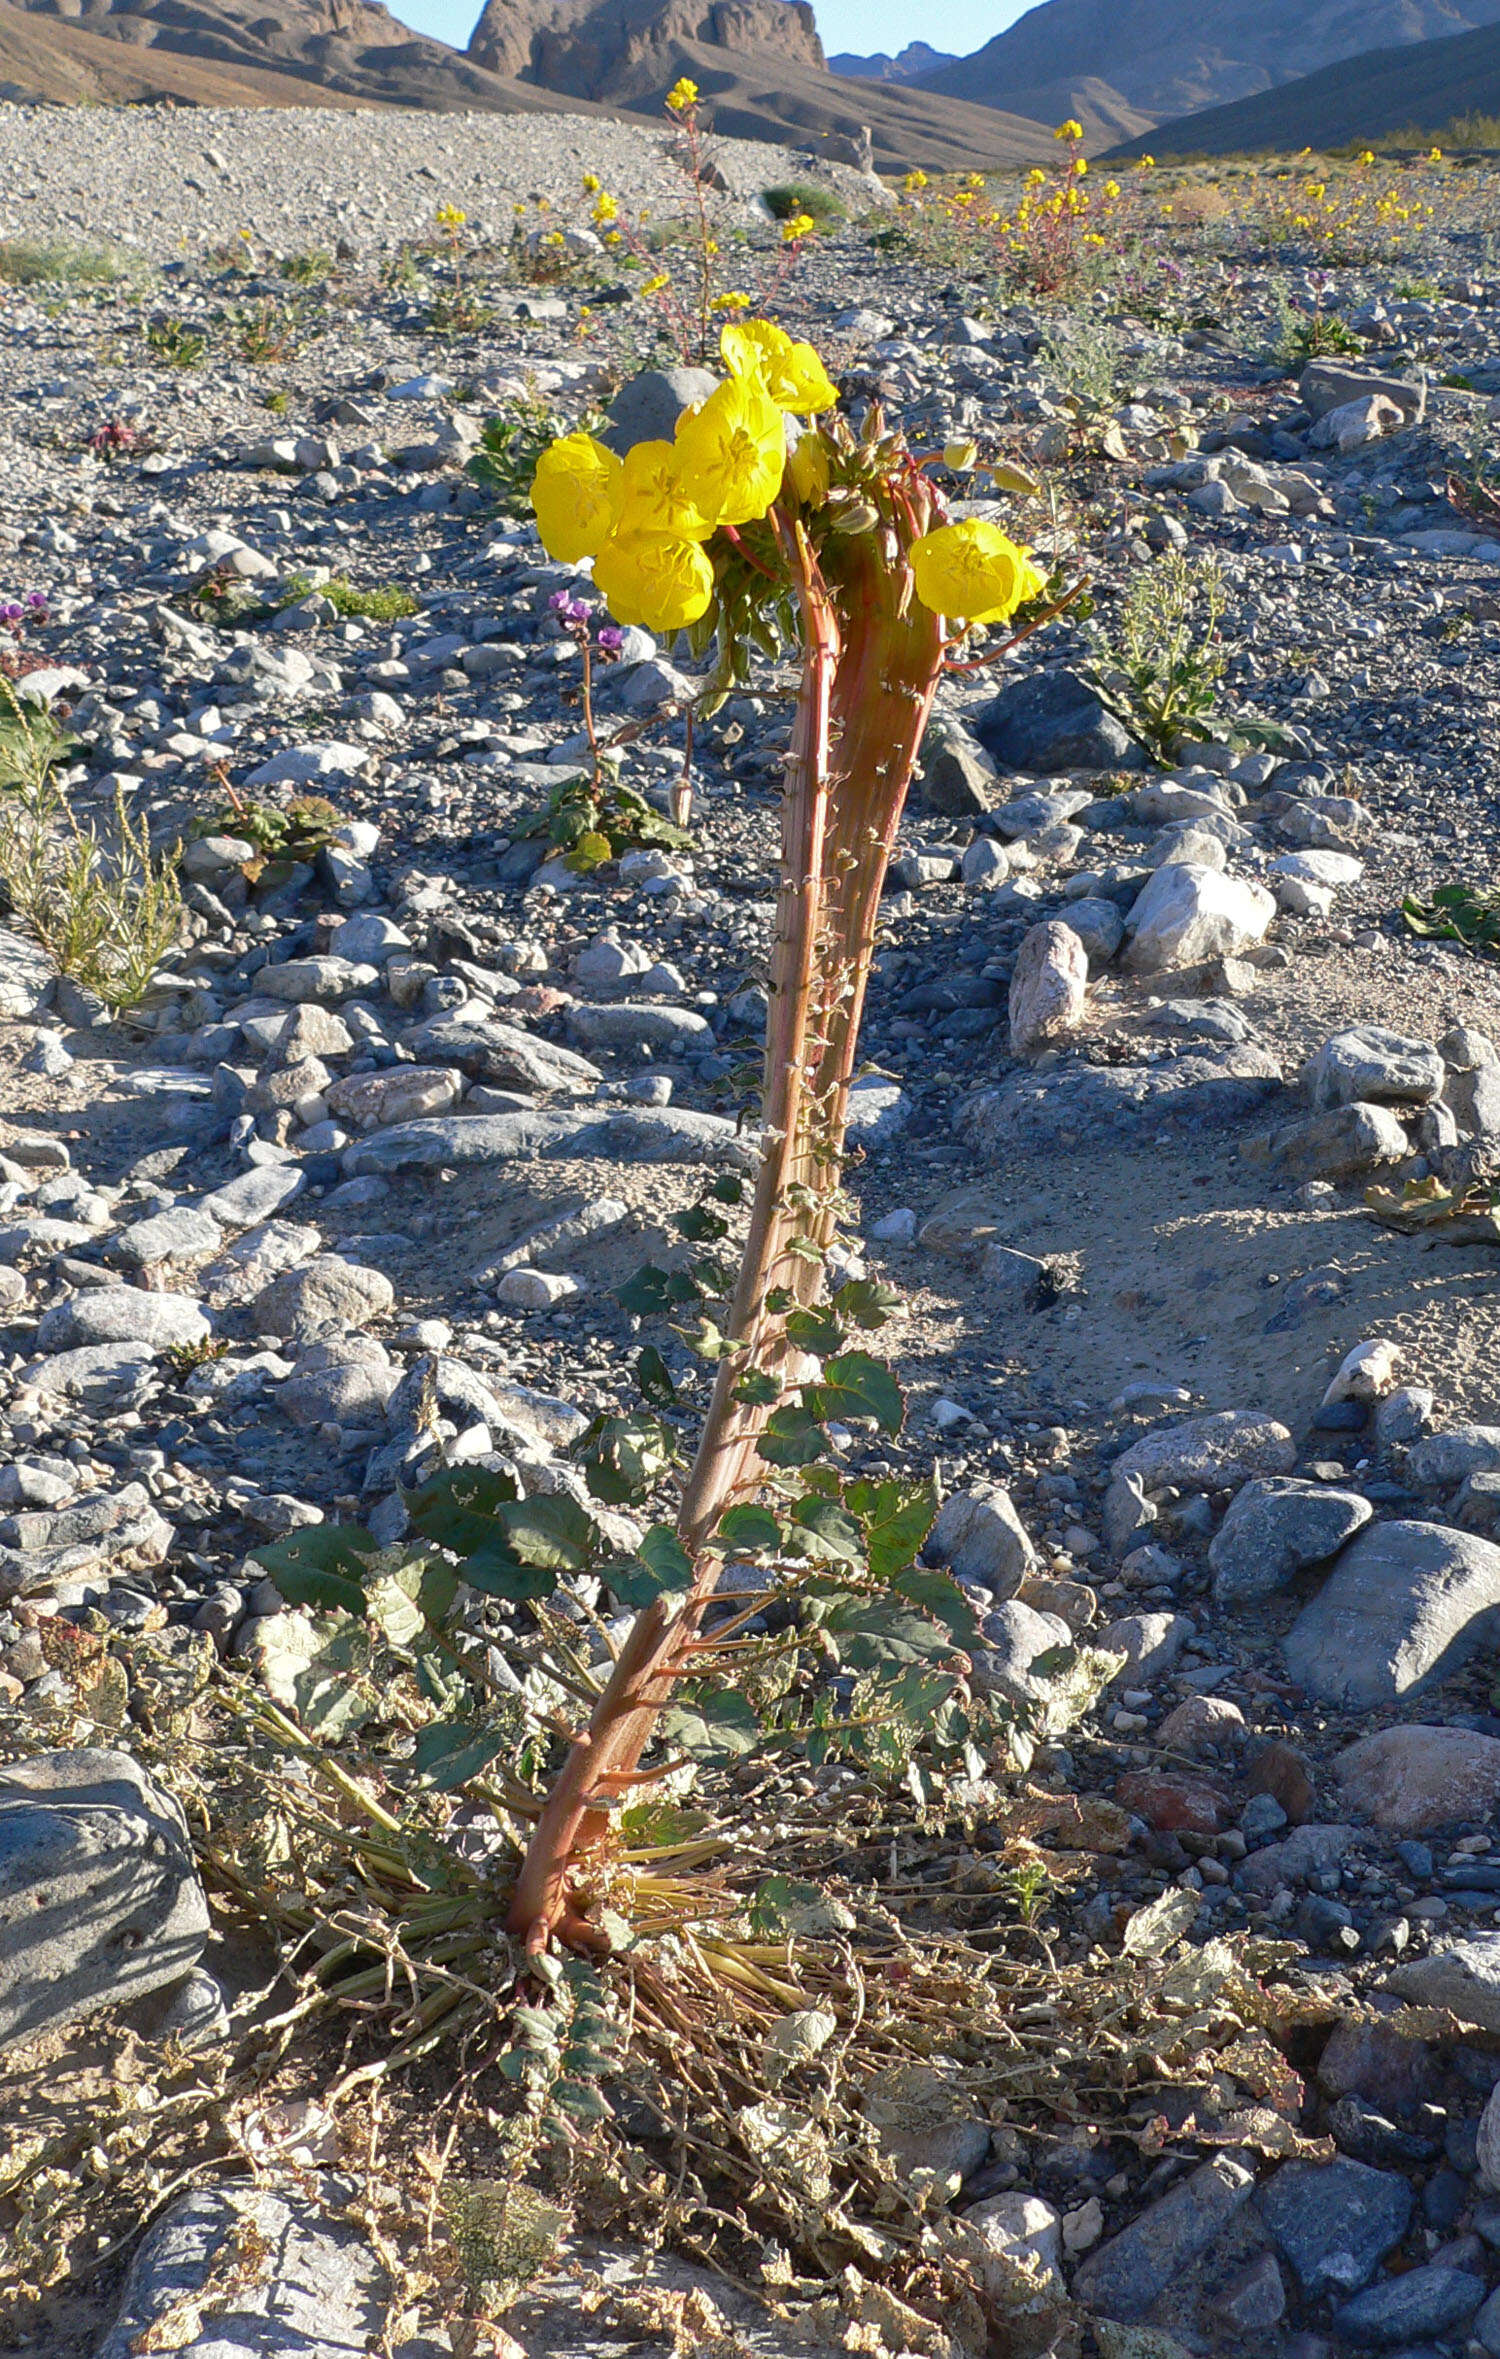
(859, 516)
(960, 456)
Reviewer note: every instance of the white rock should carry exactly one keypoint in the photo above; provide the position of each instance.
(536, 1290)
(1188, 913)
(1048, 988)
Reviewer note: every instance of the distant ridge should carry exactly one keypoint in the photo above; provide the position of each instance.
(1123, 66)
(916, 59)
(1423, 87)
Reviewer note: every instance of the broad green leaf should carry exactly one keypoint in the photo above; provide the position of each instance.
(832, 1533)
(625, 1457)
(712, 1725)
(553, 1531)
(655, 1378)
(873, 1633)
(897, 1518)
(321, 1566)
(815, 1331)
(868, 1302)
(856, 1385)
(651, 1292)
(783, 1905)
(752, 1531)
(728, 1188)
(447, 1753)
(939, 1594)
(792, 1437)
(757, 1390)
(706, 1341)
(700, 1226)
(458, 1507)
(661, 1567)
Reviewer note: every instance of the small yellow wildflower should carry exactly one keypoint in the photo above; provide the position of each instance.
(576, 494)
(591, 184)
(654, 286)
(1145, 164)
(732, 452)
(606, 209)
(1036, 177)
(450, 217)
(682, 95)
(970, 572)
(801, 225)
(730, 302)
(649, 579)
(1111, 188)
(1068, 130)
(652, 498)
(792, 374)
(1434, 155)
(915, 179)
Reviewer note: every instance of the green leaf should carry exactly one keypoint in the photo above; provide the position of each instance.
(728, 1188)
(447, 1753)
(876, 1633)
(756, 1389)
(751, 1531)
(705, 1341)
(655, 1378)
(624, 1457)
(457, 1508)
(867, 1302)
(651, 1292)
(700, 1226)
(897, 1518)
(783, 1905)
(469, 1510)
(834, 1535)
(712, 1724)
(856, 1385)
(815, 1331)
(660, 1567)
(792, 1437)
(553, 1531)
(321, 1566)
(939, 1595)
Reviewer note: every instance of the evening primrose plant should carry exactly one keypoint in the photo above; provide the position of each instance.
(767, 523)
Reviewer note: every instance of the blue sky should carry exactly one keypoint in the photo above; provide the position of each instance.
(861, 25)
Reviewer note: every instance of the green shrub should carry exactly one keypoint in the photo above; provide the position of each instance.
(791, 197)
(76, 262)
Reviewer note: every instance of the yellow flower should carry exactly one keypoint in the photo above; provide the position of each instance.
(652, 498)
(1036, 177)
(450, 217)
(682, 95)
(606, 208)
(730, 302)
(801, 225)
(654, 286)
(792, 374)
(1434, 155)
(1145, 163)
(576, 494)
(732, 451)
(914, 180)
(650, 579)
(1111, 188)
(1068, 130)
(972, 573)
(1080, 164)
(808, 469)
(591, 184)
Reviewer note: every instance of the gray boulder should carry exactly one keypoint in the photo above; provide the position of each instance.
(1337, 1145)
(1367, 1063)
(1054, 721)
(1189, 913)
(123, 1314)
(489, 1050)
(648, 407)
(1273, 1529)
(323, 1294)
(99, 1895)
(981, 1539)
(1444, 1459)
(1130, 2273)
(1335, 2221)
(1406, 1605)
(1464, 1976)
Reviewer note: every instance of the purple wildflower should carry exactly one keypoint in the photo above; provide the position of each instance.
(611, 639)
(12, 611)
(36, 601)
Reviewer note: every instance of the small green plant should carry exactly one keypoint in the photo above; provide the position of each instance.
(1159, 673)
(282, 838)
(174, 344)
(457, 311)
(309, 269)
(31, 262)
(790, 199)
(392, 602)
(106, 911)
(264, 331)
(1086, 361)
(1417, 290)
(593, 820)
(184, 1358)
(510, 444)
(1461, 912)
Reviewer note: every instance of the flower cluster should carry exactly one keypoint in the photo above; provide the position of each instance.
(577, 617)
(1043, 238)
(663, 524)
(17, 613)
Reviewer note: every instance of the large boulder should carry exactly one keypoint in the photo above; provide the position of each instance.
(1055, 721)
(1406, 1605)
(1410, 1780)
(1189, 913)
(1368, 1064)
(99, 1896)
(1273, 1529)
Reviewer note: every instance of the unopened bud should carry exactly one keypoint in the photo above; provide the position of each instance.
(960, 456)
(859, 516)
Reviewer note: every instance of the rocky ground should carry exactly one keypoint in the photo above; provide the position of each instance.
(395, 1118)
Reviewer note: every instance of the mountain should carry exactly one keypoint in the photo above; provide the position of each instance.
(760, 67)
(1423, 85)
(240, 53)
(1157, 60)
(915, 59)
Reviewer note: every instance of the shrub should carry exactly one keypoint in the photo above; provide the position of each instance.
(791, 197)
(29, 262)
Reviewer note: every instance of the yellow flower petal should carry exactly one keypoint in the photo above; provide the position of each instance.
(576, 493)
(792, 374)
(807, 469)
(652, 497)
(732, 452)
(972, 573)
(650, 579)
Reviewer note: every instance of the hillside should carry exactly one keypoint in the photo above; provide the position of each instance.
(1145, 58)
(1425, 85)
(918, 57)
(759, 65)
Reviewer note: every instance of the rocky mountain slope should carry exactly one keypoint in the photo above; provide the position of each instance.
(1152, 57)
(918, 57)
(1426, 85)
